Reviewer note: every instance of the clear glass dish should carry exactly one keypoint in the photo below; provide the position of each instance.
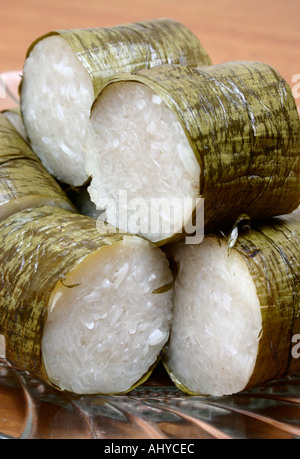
(30, 409)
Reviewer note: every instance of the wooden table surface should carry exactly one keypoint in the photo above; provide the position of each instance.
(264, 30)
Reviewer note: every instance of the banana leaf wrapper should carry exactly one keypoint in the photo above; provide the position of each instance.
(242, 123)
(270, 249)
(272, 253)
(106, 51)
(24, 182)
(41, 248)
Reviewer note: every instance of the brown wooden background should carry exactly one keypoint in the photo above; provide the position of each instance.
(263, 30)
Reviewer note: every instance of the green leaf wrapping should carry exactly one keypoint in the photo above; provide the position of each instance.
(271, 250)
(242, 123)
(24, 182)
(106, 51)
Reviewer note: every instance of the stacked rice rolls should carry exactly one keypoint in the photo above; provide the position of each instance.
(65, 70)
(159, 147)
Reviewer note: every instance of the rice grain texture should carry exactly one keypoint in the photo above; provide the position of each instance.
(79, 303)
(236, 310)
(65, 70)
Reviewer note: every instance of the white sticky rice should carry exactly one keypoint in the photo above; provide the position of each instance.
(106, 325)
(217, 320)
(57, 94)
(144, 171)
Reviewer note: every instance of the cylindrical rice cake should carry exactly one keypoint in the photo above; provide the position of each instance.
(83, 306)
(228, 134)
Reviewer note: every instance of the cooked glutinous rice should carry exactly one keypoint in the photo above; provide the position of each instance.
(56, 99)
(217, 320)
(104, 332)
(144, 171)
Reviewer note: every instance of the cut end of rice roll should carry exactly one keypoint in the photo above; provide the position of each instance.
(172, 133)
(82, 306)
(105, 327)
(145, 175)
(55, 113)
(65, 70)
(217, 320)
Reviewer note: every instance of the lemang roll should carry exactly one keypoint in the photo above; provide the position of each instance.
(236, 308)
(82, 306)
(65, 70)
(24, 182)
(226, 133)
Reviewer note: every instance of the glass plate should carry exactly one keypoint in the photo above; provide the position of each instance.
(30, 408)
